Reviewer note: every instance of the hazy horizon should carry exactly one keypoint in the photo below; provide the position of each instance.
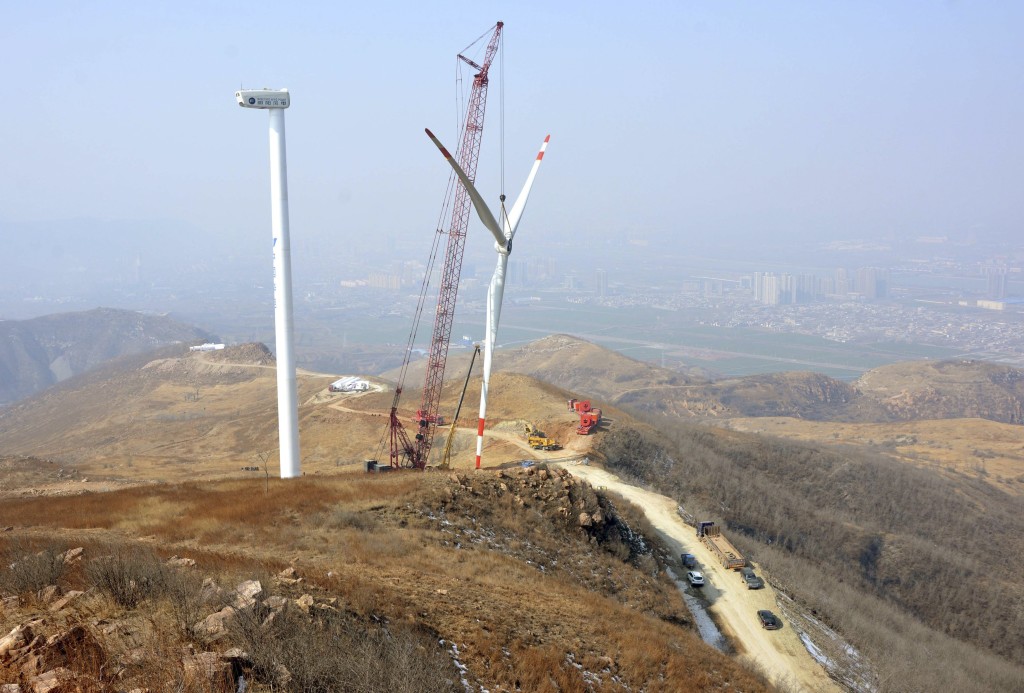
(687, 141)
(674, 121)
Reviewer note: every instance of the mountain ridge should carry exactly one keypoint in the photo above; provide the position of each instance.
(43, 351)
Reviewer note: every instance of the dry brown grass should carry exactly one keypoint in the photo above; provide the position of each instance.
(377, 544)
(182, 419)
(984, 449)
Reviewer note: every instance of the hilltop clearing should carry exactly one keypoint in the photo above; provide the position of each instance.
(904, 562)
(175, 415)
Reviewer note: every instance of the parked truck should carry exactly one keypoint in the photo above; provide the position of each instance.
(579, 406)
(590, 417)
(711, 536)
(588, 421)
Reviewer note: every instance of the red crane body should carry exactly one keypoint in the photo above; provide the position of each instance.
(405, 452)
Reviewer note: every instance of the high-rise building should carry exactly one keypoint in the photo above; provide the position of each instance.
(771, 292)
(385, 280)
(518, 272)
(842, 281)
(602, 282)
(996, 282)
(873, 282)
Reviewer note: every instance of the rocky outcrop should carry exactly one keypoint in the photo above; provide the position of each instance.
(555, 493)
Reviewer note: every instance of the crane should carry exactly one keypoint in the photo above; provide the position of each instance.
(414, 452)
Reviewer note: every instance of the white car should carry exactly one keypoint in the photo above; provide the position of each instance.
(696, 578)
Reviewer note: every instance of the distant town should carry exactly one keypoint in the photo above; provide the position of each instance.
(963, 298)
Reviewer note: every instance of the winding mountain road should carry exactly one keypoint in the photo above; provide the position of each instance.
(779, 654)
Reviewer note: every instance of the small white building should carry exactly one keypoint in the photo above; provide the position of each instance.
(206, 347)
(350, 384)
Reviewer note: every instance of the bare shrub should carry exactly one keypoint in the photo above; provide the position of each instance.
(26, 570)
(341, 518)
(128, 575)
(183, 589)
(328, 652)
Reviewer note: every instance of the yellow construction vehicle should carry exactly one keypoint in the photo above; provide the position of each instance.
(538, 441)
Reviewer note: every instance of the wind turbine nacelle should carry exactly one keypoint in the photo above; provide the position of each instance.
(263, 98)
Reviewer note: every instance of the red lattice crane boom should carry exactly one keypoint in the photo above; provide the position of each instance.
(414, 453)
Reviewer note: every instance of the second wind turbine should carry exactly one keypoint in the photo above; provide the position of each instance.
(503, 234)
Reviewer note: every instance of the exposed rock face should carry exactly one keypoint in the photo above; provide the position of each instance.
(18, 637)
(215, 626)
(55, 681)
(73, 555)
(66, 600)
(177, 562)
(247, 593)
(553, 492)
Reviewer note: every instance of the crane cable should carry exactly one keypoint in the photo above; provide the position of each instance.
(501, 111)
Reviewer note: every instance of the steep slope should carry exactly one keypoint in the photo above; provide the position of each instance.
(909, 565)
(37, 353)
(947, 389)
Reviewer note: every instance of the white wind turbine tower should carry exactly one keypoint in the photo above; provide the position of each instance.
(503, 234)
(275, 101)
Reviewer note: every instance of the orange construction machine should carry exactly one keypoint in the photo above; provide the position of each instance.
(590, 417)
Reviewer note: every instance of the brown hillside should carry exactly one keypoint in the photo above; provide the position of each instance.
(898, 392)
(947, 389)
(569, 363)
(40, 352)
(177, 415)
(987, 450)
(480, 578)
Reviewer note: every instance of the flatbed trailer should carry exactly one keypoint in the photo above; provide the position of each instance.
(711, 536)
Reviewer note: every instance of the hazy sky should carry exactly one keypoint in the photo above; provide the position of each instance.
(679, 119)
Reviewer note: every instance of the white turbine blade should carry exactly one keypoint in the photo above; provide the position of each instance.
(478, 202)
(495, 293)
(517, 209)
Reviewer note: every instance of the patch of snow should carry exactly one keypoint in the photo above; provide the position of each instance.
(818, 655)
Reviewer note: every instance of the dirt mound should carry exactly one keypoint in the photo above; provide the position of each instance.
(254, 353)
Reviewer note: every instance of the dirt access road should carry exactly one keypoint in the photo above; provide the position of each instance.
(778, 653)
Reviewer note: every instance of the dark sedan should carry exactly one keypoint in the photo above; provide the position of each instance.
(769, 621)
